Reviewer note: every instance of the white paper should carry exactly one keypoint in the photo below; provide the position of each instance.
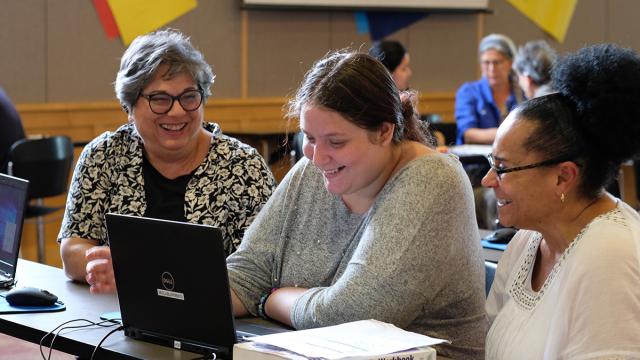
(471, 149)
(274, 350)
(351, 340)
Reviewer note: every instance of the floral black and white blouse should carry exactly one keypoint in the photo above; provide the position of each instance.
(227, 190)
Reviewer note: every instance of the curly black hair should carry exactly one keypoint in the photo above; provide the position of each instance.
(594, 119)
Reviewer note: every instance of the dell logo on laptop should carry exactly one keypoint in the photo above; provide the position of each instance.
(167, 280)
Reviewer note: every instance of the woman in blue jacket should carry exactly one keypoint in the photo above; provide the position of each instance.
(482, 105)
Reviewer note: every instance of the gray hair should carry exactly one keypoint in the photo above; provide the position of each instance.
(147, 52)
(535, 59)
(498, 42)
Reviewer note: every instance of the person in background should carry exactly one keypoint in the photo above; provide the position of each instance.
(533, 64)
(396, 59)
(12, 129)
(166, 162)
(482, 105)
(372, 223)
(567, 285)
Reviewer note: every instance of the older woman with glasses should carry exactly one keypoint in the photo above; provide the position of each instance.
(482, 105)
(166, 162)
(567, 287)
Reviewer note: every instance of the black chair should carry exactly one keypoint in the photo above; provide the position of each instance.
(46, 164)
(489, 274)
(296, 146)
(448, 130)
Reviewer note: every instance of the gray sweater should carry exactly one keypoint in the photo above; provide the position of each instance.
(413, 260)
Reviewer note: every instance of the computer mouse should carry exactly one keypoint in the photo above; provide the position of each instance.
(501, 236)
(30, 296)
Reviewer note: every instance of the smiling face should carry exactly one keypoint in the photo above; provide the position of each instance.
(353, 160)
(402, 74)
(527, 198)
(175, 132)
(495, 67)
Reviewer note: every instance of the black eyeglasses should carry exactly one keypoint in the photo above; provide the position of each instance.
(501, 171)
(162, 103)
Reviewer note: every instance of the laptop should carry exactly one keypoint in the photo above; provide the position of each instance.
(172, 285)
(13, 200)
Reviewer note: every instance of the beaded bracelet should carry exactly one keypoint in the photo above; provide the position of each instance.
(261, 305)
(262, 311)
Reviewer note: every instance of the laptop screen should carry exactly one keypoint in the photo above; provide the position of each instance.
(13, 198)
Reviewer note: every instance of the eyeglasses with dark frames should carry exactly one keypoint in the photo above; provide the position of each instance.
(162, 103)
(494, 63)
(500, 171)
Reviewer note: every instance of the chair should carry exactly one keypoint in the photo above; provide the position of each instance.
(46, 164)
(296, 146)
(447, 130)
(489, 274)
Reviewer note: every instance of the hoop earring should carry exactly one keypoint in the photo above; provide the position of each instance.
(562, 197)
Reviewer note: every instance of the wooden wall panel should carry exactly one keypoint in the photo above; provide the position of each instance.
(623, 26)
(589, 26)
(81, 62)
(439, 37)
(214, 27)
(282, 47)
(343, 33)
(22, 40)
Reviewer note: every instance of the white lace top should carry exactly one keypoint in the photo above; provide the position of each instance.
(588, 307)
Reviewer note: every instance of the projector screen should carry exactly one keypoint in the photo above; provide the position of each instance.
(372, 4)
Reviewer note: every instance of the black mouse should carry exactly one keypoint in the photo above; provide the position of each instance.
(501, 236)
(30, 296)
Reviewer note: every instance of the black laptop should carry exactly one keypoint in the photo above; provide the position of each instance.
(172, 284)
(13, 199)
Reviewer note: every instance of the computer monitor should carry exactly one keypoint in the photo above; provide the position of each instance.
(13, 199)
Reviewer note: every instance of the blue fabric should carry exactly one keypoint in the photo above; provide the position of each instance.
(362, 22)
(475, 107)
(384, 23)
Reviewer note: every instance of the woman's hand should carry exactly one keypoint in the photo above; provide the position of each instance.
(100, 275)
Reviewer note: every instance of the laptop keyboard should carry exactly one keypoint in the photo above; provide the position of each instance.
(5, 281)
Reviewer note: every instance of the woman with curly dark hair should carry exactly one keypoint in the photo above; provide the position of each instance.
(567, 286)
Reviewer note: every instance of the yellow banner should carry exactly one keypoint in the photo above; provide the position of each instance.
(138, 17)
(553, 16)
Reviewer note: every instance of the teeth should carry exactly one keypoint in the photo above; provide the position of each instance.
(173, 127)
(334, 171)
(502, 202)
